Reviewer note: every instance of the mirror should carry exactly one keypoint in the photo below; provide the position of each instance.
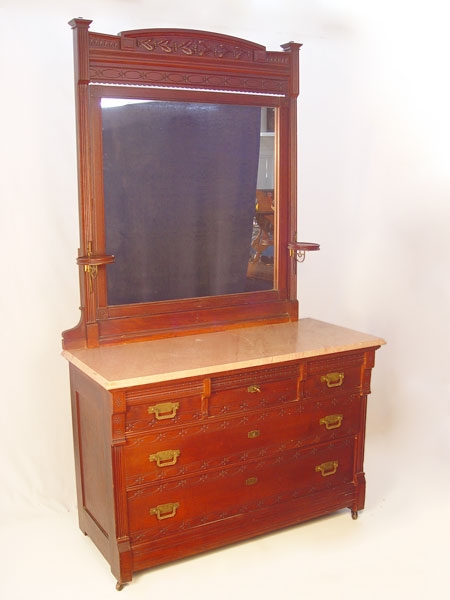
(187, 183)
(188, 199)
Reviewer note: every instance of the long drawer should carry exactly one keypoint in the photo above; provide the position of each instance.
(177, 504)
(218, 442)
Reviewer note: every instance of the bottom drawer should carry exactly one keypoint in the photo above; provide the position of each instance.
(172, 506)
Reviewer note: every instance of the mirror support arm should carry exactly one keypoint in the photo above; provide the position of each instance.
(297, 250)
(91, 262)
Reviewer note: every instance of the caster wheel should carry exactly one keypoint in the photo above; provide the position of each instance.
(119, 586)
(354, 514)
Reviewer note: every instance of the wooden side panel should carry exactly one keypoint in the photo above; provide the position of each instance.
(92, 410)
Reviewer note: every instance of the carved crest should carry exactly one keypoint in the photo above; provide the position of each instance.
(193, 47)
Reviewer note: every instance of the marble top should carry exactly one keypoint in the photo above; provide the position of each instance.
(155, 361)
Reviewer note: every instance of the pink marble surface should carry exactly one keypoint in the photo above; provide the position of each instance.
(163, 360)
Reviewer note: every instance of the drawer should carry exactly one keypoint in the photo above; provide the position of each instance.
(158, 407)
(218, 443)
(333, 375)
(182, 402)
(171, 506)
(253, 389)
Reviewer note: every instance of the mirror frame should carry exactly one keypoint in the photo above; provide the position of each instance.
(181, 65)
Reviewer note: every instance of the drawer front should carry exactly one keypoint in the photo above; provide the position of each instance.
(161, 412)
(175, 505)
(253, 390)
(333, 375)
(218, 443)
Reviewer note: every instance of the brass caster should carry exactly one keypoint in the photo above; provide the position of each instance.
(119, 586)
(354, 514)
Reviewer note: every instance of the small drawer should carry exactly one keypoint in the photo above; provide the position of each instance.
(253, 390)
(224, 442)
(156, 407)
(333, 375)
(175, 505)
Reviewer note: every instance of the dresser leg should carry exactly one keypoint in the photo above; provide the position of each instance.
(354, 514)
(119, 586)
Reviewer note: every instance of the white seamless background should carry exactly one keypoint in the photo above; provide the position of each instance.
(374, 191)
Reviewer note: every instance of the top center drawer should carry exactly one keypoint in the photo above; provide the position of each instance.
(253, 389)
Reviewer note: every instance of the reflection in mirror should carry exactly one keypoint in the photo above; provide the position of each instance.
(188, 199)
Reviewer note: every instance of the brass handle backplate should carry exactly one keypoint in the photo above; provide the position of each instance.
(253, 389)
(253, 434)
(165, 458)
(331, 421)
(251, 481)
(166, 410)
(333, 379)
(165, 511)
(327, 468)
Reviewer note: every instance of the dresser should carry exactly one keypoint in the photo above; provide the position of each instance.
(204, 411)
(186, 445)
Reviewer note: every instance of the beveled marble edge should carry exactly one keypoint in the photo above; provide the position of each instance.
(156, 361)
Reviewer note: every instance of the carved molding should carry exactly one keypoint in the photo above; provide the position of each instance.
(332, 363)
(261, 376)
(193, 47)
(160, 44)
(106, 42)
(182, 78)
(162, 392)
(119, 488)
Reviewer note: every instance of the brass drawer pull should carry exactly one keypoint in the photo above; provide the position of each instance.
(253, 434)
(166, 410)
(165, 458)
(253, 389)
(165, 511)
(327, 468)
(332, 421)
(333, 379)
(251, 481)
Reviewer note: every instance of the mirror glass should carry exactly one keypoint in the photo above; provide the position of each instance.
(188, 199)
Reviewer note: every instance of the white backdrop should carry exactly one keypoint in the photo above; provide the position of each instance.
(374, 191)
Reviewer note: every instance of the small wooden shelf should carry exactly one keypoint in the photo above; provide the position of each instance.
(298, 249)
